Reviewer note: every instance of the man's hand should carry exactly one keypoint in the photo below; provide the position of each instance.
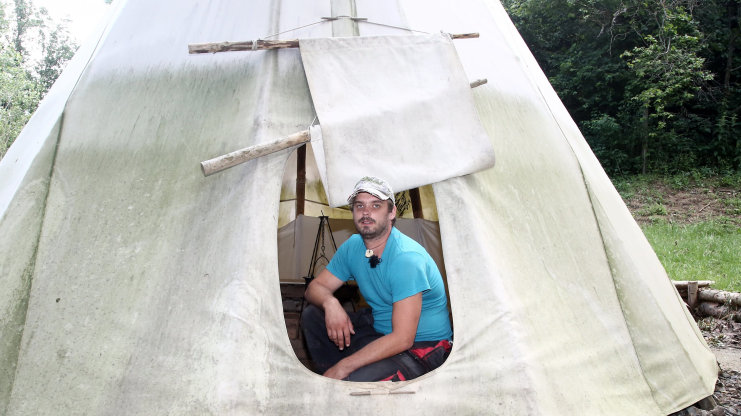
(337, 371)
(404, 321)
(339, 326)
(319, 293)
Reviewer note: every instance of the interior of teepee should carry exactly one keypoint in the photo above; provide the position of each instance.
(310, 231)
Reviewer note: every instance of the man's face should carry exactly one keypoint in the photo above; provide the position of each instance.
(371, 215)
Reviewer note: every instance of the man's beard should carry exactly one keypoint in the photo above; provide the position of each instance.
(366, 231)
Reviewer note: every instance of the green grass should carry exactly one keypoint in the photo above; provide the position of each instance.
(639, 186)
(702, 251)
(653, 209)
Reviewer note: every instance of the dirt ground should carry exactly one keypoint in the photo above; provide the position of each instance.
(687, 205)
(684, 206)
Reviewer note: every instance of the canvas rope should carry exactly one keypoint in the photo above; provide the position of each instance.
(329, 19)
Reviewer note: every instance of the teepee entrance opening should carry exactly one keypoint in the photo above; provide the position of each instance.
(310, 231)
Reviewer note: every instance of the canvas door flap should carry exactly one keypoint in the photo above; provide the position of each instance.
(397, 107)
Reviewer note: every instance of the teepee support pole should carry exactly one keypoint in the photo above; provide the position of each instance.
(228, 160)
(300, 179)
(261, 45)
(416, 203)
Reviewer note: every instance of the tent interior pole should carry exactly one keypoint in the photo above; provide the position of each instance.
(300, 179)
(416, 203)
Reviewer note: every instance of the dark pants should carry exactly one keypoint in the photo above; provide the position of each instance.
(423, 357)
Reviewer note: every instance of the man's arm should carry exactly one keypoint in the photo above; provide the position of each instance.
(321, 293)
(404, 321)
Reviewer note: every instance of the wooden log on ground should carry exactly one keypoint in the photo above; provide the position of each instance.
(228, 160)
(718, 311)
(261, 45)
(720, 296)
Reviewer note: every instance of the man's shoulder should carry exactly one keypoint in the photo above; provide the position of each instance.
(406, 244)
(354, 240)
(408, 251)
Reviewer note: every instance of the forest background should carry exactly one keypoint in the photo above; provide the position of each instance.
(653, 85)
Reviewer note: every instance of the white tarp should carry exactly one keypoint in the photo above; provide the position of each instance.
(394, 106)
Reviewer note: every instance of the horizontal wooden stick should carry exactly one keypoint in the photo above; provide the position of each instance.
(228, 160)
(479, 82)
(261, 45)
(682, 284)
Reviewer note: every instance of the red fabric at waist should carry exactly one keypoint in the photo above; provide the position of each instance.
(422, 352)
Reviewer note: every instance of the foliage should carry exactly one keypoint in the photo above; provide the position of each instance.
(58, 48)
(667, 74)
(19, 96)
(33, 52)
(654, 86)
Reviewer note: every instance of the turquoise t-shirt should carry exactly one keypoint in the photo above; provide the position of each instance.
(405, 270)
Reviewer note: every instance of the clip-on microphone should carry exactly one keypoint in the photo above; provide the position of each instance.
(374, 260)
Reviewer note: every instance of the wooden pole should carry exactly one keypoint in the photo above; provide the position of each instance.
(300, 179)
(479, 82)
(217, 164)
(262, 45)
(416, 203)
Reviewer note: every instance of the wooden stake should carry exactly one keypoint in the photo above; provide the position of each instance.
(226, 161)
(261, 45)
(692, 294)
(479, 82)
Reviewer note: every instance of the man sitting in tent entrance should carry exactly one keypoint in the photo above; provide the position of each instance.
(407, 332)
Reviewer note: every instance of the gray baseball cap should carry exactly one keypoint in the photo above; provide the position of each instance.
(374, 186)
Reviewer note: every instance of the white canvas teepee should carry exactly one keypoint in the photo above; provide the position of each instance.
(133, 285)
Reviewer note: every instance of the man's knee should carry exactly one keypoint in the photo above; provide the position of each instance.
(398, 367)
(312, 316)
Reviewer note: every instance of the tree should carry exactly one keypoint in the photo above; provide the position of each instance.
(668, 73)
(722, 22)
(19, 96)
(27, 73)
(57, 49)
(652, 84)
